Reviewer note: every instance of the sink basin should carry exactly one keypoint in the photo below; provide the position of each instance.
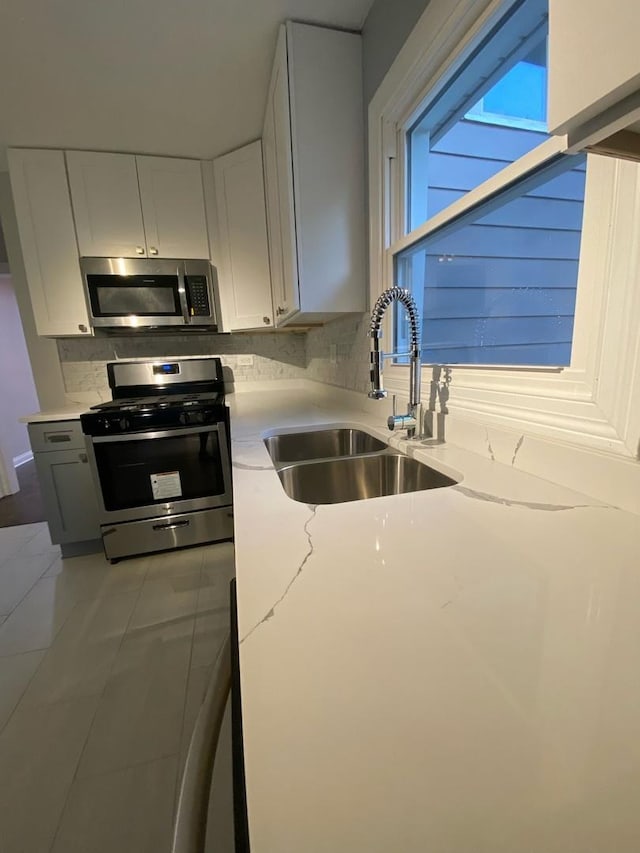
(359, 477)
(321, 444)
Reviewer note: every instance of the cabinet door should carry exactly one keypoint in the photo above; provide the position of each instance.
(325, 89)
(48, 240)
(274, 232)
(594, 63)
(173, 207)
(279, 189)
(69, 495)
(243, 262)
(106, 204)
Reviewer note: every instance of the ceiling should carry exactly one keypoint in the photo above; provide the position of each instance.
(182, 78)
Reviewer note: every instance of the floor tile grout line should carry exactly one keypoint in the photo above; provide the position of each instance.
(93, 719)
(144, 577)
(82, 752)
(26, 687)
(45, 649)
(131, 766)
(18, 552)
(134, 766)
(193, 639)
(30, 538)
(26, 652)
(177, 780)
(37, 580)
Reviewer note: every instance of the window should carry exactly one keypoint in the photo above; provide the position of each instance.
(497, 284)
(465, 246)
(485, 115)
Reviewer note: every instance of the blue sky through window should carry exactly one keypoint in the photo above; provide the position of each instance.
(521, 94)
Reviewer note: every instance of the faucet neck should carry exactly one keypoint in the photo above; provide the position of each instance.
(387, 298)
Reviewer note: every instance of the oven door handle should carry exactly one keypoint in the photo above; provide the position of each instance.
(164, 433)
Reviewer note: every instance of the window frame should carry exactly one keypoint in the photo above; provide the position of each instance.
(595, 402)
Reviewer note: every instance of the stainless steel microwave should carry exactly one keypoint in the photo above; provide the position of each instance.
(144, 293)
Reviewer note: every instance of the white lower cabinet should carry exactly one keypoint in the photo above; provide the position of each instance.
(48, 241)
(64, 474)
(313, 139)
(242, 257)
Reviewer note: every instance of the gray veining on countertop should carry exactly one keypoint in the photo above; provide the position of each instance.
(460, 651)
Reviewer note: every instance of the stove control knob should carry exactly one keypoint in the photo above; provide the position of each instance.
(183, 418)
(123, 424)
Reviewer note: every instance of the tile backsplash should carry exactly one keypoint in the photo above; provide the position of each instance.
(337, 353)
(275, 356)
(349, 367)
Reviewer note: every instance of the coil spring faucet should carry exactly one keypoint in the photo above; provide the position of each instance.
(413, 420)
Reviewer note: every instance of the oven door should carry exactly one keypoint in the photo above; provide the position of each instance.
(157, 473)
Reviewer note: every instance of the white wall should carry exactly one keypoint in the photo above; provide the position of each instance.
(384, 32)
(17, 391)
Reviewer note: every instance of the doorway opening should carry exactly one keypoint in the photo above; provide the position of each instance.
(20, 498)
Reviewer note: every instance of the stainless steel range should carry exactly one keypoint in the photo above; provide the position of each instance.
(159, 453)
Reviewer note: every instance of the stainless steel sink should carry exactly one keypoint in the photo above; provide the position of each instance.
(321, 444)
(358, 478)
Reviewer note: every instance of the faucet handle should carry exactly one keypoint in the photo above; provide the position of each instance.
(392, 420)
(407, 421)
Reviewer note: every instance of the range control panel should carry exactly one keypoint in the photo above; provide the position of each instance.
(198, 296)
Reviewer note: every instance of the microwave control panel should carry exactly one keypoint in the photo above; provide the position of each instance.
(198, 296)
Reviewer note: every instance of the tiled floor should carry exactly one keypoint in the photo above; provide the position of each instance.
(102, 670)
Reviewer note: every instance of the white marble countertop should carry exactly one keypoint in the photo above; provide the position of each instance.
(66, 412)
(452, 671)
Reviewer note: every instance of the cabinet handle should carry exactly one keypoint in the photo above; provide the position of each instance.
(153, 250)
(139, 250)
(57, 437)
(82, 327)
(83, 458)
(266, 321)
(280, 310)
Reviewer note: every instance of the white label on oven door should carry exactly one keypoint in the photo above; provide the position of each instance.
(166, 485)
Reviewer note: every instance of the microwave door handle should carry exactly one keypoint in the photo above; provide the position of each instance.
(182, 293)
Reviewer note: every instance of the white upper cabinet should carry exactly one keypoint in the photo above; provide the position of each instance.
(242, 258)
(278, 171)
(48, 241)
(106, 204)
(313, 140)
(594, 71)
(134, 206)
(173, 207)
